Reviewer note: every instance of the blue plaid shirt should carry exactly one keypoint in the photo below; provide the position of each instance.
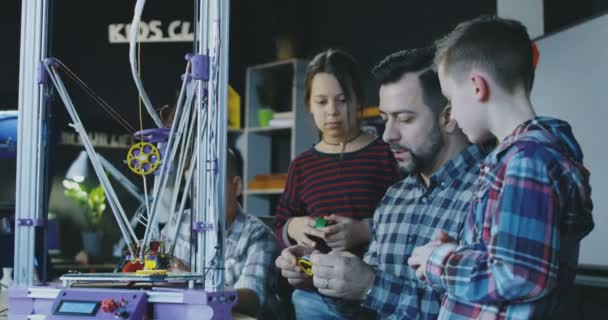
(249, 253)
(519, 252)
(409, 216)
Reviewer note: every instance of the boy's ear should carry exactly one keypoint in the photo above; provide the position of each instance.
(446, 121)
(480, 86)
(237, 184)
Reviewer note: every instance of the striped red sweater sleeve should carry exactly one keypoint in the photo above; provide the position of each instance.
(351, 184)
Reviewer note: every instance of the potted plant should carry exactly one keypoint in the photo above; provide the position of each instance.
(93, 203)
(267, 96)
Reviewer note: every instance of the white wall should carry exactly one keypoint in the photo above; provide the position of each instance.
(572, 84)
(529, 12)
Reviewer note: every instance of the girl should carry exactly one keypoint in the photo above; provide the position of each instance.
(342, 178)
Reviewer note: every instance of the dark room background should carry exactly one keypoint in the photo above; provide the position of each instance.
(369, 30)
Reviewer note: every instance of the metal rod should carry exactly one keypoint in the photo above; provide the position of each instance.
(186, 154)
(175, 134)
(199, 196)
(119, 214)
(28, 204)
(222, 92)
(121, 178)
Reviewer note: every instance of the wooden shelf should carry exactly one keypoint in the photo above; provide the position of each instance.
(268, 129)
(370, 112)
(253, 192)
(270, 149)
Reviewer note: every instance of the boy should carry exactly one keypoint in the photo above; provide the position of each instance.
(250, 245)
(532, 206)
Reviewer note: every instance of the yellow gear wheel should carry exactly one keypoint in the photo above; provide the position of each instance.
(143, 158)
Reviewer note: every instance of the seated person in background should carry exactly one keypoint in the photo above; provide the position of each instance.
(250, 245)
(342, 178)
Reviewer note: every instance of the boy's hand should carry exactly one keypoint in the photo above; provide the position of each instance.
(421, 255)
(443, 237)
(82, 257)
(178, 266)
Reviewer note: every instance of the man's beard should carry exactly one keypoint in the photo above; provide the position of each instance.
(423, 157)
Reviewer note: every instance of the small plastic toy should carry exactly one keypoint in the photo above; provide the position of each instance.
(304, 261)
(305, 264)
(321, 246)
(321, 222)
(156, 261)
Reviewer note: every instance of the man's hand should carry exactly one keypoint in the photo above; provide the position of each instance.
(420, 255)
(300, 227)
(287, 262)
(342, 275)
(345, 234)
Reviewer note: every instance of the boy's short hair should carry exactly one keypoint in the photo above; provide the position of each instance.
(392, 68)
(234, 164)
(501, 47)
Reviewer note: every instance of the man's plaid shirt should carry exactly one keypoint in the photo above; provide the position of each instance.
(409, 216)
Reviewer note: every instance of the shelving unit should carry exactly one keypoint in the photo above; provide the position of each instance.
(269, 130)
(264, 192)
(268, 150)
